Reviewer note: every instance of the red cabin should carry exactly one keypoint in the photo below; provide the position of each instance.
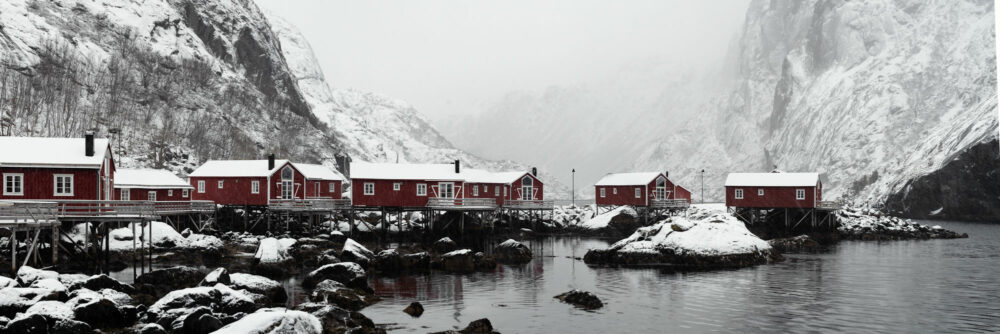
(773, 190)
(35, 168)
(503, 186)
(637, 189)
(247, 182)
(403, 185)
(321, 181)
(150, 185)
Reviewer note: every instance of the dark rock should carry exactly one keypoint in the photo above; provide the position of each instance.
(415, 309)
(581, 299)
(444, 245)
(511, 251)
(334, 292)
(328, 256)
(271, 289)
(152, 329)
(355, 252)
(205, 323)
(481, 326)
(34, 323)
(219, 275)
(337, 237)
(459, 261)
(794, 244)
(100, 313)
(339, 320)
(484, 262)
(680, 261)
(416, 262)
(67, 326)
(100, 282)
(388, 262)
(349, 273)
(169, 279)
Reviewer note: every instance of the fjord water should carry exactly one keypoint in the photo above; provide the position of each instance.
(856, 286)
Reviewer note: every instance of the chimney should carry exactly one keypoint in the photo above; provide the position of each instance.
(667, 174)
(270, 161)
(534, 171)
(458, 166)
(89, 144)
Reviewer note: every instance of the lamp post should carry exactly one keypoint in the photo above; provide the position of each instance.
(117, 134)
(573, 189)
(702, 186)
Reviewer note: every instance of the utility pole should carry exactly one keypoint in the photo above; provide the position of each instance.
(702, 186)
(573, 194)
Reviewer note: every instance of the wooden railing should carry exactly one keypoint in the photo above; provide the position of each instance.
(313, 204)
(829, 205)
(468, 203)
(78, 208)
(183, 207)
(518, 204)
(669, 203)
(29, 213)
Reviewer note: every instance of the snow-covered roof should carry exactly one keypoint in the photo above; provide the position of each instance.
(483, 176)
(627, 179)
(237, 168)
(772, 179)
(404, 171)
(148, 178)
(50, 152)
(318, 172)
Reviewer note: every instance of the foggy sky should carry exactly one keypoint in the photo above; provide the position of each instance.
(451, 57)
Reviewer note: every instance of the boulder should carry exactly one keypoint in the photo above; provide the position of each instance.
(444, 245)
(101, 313)
(27, 275)
(38, 323)
(337, 237)
(152, 329)
(16, 300)
(415, 309)
(275, 320)
(329, 256)
(458, 261)
(794, 244)
(511, 251)
(164, 280)
(481, 326)
(355, 252)
(484, 262)
(179, 303)
(273, 258)
(271, 289)
(334, 292)
(388, 262)
(338, 320)
(349, 273)
(582, 299)
(200, 321)
(416, 262)
(219, 275)
(101, 282)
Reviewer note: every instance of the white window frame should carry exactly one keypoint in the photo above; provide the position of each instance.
(201, 186)
(505, 191)
(738, 194)
(333, 186)
(170, 193)
(255, 187)
(603, 192)
(396, 186)
(760, 192)
(800, 194)
(20, 184)
(151, 196)
(486, 190)
(55, 185)
(496, 191)
(475, 191)
(638, 192)
(614, 191)
(421, 189)
(185, 193)
(125, 194)
(369, 188)
(220, 183)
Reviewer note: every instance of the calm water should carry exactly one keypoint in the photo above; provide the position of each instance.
(898, 286)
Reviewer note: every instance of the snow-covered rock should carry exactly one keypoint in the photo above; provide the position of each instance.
(355, 252)
(274, 321)
(28, 275)
(860, 224)
(511, 251)
(274, 251)
(349, 273)
(260, 285)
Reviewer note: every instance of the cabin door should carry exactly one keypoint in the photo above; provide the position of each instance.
(446, 190)
(527, 188)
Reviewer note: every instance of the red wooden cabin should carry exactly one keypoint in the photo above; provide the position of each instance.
(503, 186)
(150, 185)
(36, 168)
(773, 190)
(637, 189)
(247, 182)
(403, 185)
(321, 182)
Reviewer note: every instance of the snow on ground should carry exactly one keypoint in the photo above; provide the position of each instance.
(570, 215)
(163, 236)
(52, 308)
(702, 232)
(602, 220)
(272, 250)
(867, 219)
(274, 320)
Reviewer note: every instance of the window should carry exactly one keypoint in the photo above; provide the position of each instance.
(475, 191)
(151, 196)
(369, 188)
(185, 193)
(254, 187)
(800, 194)
(170, 192)
(486, 190)
(13, 184)
(614, 191)
(638, 192)
(527, 188)
(220, 184)
(125, 195)
(333, 187)
(62, 185)
(201, 186)
(446, 190)
(496, 191)
(287, 182)
(396, 186)
(421, 189)
(739, 193)
(602, 192)
(287, 173)
(760, 192)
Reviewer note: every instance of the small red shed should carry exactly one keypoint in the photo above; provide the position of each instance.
(773, 190)
(247, 182)
(503, 186)
(36, 168)
(637, 189)
(322, 182)
(150, 185)
(404, 184)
